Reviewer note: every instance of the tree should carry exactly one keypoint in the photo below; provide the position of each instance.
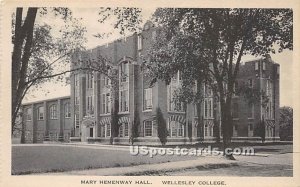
(219, 39)
(286, 123)
(161, 127)
(34, 48)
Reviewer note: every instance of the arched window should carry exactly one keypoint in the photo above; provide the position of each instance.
(40, 113)
(53, 111)
(67, 110)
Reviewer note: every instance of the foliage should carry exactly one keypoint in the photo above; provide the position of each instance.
(208, 45)
(35, 44)
(135, 127)
(161, 127)
(286, 123)
(126, 19)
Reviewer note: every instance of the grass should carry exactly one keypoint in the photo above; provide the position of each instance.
(42, 159)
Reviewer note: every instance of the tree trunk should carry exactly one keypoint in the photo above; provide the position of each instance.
(20, 57)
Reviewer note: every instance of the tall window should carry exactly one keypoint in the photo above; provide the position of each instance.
(140, 42)
(256, 65)
(208, 108)
(40, 113)
(121, 130)
(174, 104)
(67, 110)
(108, 130)
(148, 128)
(176, 129)
(28, 114)
(106, 103)
(77, 124)
(53, 111)
(123, 103)
(148, 99)
(76, 77)
(235, 89)
(126, 129)
(90, 104)
(269, 93)
(90, 80)
(124, 72)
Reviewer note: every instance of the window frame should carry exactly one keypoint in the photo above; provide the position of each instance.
(53, 111)
(148, 99)
(145, 123)
(67, 110)
(39, 116)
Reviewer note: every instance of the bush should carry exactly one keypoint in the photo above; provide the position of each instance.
(161, 127)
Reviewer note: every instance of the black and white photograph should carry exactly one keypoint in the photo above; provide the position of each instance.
(185, 95)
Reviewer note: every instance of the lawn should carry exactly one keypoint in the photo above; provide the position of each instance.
(40, 159)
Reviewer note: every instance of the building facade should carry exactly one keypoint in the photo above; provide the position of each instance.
(122, 96)
(47, 120)
(93, 99)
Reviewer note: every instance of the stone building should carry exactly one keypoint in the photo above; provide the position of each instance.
(95, 96)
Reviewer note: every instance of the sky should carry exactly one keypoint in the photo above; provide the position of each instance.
(89, 20)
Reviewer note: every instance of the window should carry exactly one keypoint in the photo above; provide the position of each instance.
(148, 128)
(40, 113)
(268, 88)
(126, 129)
(140, 42)
(250, 130)
(107, 81)
(174, 104)
(76, 90)
(208, 108)
(90, 80)
(256, 65)
(106, 103)
(176, 129)
(251, 111)
(67, 110)
(76, 77)
(77, 124)
(90, 105)
(124, 72)
(207, 91)
(123, 130)
(235, 89)
(53, 112)
(28, 114)
(235, 112)
(250, 83)
(264, 66)
(123, 103)
(108, 130)
(148, 99)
